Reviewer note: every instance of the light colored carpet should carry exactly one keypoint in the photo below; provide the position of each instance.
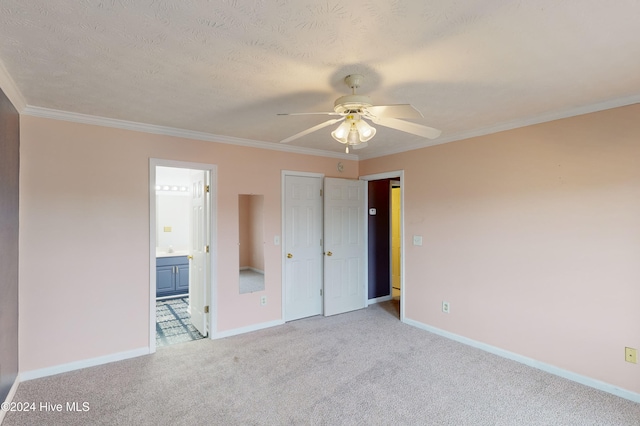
(360, 368)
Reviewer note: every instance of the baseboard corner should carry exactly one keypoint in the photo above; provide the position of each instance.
(10, 395)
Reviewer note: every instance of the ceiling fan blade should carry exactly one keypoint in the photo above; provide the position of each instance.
(395, 111)
(406, 126)
(309, 113)
(312, 129)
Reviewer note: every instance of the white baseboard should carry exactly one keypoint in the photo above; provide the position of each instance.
(379, 300)
(77, 365)
(10, 395)
(248, 329)
(584, 380)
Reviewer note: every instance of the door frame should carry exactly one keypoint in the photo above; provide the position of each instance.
(283, 255)
(398, 174)
(210, 293)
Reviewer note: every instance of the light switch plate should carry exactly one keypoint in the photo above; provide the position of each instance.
(417, 240)
(167, 229)
(276, 240)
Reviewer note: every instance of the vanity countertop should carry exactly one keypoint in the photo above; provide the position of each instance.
(175, 253)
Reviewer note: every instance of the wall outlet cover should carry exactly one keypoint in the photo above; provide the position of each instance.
(631, 355)
(446, 308)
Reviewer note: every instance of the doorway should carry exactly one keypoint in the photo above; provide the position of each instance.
(182, 203)
(384, 244)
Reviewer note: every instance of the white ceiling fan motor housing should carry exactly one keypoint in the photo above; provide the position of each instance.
(354, 103)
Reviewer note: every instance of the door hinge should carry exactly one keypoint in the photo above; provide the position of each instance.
(206, 188)
(320, 292)
(321, 192)
(320, 242)
(206, 249)
(206, 309)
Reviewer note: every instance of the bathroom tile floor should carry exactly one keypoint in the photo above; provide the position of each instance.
(173, 322)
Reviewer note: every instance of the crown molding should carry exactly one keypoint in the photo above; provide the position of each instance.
(515, 124)
(16, 98)
(10, 89)
(172, 131)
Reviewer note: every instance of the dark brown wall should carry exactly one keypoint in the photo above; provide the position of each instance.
(379, 238)
(9, 175)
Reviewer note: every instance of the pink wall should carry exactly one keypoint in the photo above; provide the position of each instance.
(256, 205)
(252, 239)
(244, 230)
(84, 234)
(533, 237)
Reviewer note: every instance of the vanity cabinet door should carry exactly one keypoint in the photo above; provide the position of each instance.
(182, 278)
(165, 282)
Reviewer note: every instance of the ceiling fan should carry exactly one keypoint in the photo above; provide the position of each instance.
(353, 109)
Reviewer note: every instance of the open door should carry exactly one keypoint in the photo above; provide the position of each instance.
(344, 246)
(198, 268)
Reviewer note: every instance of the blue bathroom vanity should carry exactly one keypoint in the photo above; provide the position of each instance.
(172, 275)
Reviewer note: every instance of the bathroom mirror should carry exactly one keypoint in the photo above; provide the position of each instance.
(251, 242)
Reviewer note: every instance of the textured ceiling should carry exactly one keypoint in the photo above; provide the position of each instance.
(228, 67)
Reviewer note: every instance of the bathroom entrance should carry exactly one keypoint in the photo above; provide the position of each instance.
(181, 257)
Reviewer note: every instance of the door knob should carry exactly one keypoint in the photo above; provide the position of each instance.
(289, 255)
(329, 253)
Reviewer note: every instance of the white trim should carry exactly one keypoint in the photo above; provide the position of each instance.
(510, 125)
(77, 365)
(247, 329)
(379, 299)
(391, 175)
(552, 369)
(211, 292)
(10, 395)
(181, 133)
(15, 96)
(10, 88)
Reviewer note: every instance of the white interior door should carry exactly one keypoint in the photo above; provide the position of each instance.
(344, 246)
(199, 249)
(303, 247)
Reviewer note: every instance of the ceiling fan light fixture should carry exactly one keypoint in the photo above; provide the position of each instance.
(365, 131)
(354, 137)
(342, 132)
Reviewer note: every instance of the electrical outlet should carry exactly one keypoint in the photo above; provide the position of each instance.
(263, 300)
(631, 355)
(445, 307)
